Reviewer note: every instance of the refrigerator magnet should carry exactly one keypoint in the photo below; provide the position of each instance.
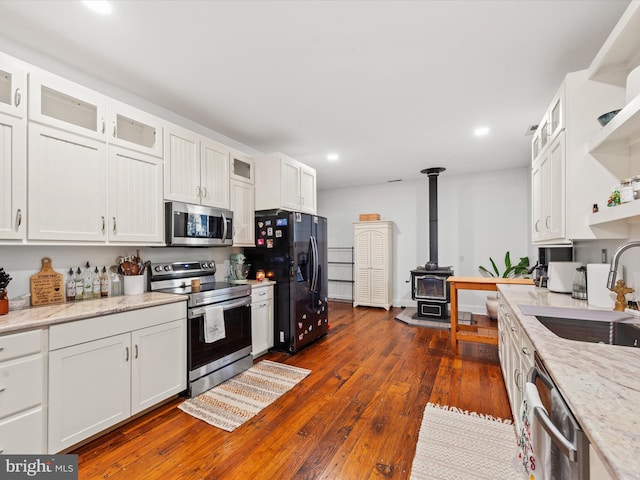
(298, 217)
(269, 243)
(278, 233)
(270, 232)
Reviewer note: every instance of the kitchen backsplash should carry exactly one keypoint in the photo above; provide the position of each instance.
(23, 261)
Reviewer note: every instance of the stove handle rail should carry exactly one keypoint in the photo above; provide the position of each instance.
(228, 305)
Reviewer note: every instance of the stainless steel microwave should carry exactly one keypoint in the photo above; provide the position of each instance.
(189, 225)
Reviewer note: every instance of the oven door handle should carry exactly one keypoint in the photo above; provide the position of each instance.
(243, 302)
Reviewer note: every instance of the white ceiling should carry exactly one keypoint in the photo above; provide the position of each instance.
(392, 86)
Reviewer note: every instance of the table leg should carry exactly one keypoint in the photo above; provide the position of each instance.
(453, 292)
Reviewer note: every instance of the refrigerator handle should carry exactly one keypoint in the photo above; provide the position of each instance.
(314, 253)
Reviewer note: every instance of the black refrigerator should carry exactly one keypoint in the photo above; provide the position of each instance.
(291, 248)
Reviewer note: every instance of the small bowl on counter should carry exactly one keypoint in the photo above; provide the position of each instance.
(607, 117)
(18, 303)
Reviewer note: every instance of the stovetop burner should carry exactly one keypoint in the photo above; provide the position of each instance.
(176, 278)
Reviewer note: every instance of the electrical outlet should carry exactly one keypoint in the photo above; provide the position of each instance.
(281, 337)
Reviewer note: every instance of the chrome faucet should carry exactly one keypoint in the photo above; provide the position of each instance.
(613, 271)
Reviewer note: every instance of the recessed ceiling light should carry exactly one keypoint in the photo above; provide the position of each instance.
(103, 7)
(333, 157)
(481, 131)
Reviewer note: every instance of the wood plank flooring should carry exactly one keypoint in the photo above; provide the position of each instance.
(356, 416)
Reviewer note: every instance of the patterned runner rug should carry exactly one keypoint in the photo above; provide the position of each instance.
(458, 445)
(240, 398)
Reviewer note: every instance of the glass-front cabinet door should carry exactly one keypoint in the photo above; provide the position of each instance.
(13, 83)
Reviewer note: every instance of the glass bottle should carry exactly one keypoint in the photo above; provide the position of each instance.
(79, 285)
(88, 282)
(104, 282)
(95, 281)
(71, 286)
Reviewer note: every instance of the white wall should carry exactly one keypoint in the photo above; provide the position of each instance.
(480, 215)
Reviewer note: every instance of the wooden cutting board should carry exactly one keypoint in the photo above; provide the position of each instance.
(47, 286)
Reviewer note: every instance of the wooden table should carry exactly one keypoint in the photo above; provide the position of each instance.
(469, 333)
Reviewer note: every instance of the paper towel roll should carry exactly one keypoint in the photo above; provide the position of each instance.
(597, 292)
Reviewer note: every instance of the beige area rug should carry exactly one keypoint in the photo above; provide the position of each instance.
(409, 316)
(459, 445)
(240, 398)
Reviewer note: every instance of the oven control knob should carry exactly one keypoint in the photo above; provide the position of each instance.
(208, 265)
(167, 268)
(158, 268)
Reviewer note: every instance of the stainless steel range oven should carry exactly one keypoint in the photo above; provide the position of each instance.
(210, 361)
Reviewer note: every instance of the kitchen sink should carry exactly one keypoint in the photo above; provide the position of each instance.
(612, 333)
(588, 325)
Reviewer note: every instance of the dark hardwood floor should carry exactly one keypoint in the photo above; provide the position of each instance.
(356, 416)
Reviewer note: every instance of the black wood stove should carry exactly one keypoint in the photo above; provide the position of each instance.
(429, 285)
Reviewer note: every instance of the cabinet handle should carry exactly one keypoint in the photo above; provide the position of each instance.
(262, 294)
(514, 329)
(17, 97)
(126, 358)
(115, 130)
(18, 219)
(537, 226)
(103, 224)
(525, 350)
(115, 227)
(198, 193)
(103, 125)
(204, 192)
(546, 222)
(2, 389)
(136, 354)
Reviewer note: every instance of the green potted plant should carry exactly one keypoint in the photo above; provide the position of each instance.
(521, 269)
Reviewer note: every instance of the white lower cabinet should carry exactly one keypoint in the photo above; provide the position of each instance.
(261, 319)
(516, 357)
(22, 393)
(104, 370)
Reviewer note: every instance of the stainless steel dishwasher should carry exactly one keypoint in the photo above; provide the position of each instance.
(565, 450)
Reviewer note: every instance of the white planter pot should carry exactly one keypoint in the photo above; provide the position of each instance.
(492, 306)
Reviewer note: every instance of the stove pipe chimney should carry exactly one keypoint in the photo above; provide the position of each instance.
(433, 173)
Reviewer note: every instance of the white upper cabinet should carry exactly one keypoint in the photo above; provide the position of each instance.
(566, 179)
(181, 165)
(242, 167)
(196, 170)
(135, 197)
(67, 187)
(214, 174)
(13, 87)
(131, 128)
(13, 178)
(243, 207)
(282, 182)
(68, 106)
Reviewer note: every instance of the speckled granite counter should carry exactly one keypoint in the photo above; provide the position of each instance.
(600, 383)
(38, 317)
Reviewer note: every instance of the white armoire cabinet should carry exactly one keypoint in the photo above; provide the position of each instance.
(373, 247)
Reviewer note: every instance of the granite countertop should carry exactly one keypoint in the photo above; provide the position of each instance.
(43, 316)
(600, 383)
